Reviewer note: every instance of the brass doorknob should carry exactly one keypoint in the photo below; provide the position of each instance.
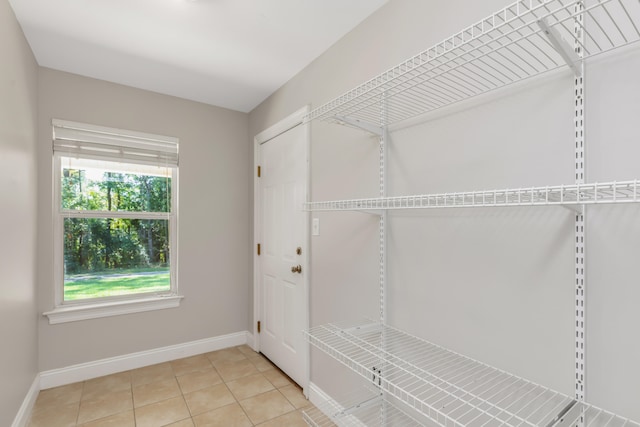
(296, 269)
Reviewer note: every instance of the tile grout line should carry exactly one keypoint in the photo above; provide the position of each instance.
(80, 403)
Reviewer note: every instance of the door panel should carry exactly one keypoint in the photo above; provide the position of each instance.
(283, 191)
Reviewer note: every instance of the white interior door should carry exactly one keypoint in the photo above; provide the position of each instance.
(282, 261)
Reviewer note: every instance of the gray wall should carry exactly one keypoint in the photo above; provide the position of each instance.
(18, 115)
(213, 217)
(495, 284)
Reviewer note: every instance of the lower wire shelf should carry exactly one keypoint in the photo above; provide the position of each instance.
(368, 408)
(447, 388)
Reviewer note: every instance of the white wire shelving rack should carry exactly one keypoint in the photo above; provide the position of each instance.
(525, 39)
(562, 195)
(448, 388)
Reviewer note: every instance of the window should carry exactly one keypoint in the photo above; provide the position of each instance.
(115, 210)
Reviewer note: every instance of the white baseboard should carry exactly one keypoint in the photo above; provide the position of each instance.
(24, 413)
(251, 341)
(112, 365)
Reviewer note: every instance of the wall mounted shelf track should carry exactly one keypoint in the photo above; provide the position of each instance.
(525, 39)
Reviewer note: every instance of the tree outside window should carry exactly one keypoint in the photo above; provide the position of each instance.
(116, 228)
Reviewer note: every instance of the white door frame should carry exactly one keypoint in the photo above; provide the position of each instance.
(293, 120)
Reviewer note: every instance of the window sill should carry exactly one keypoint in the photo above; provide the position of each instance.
(66, 314)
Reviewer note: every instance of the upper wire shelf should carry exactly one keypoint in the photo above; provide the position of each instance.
(523, 40)
(448, 388)
(563, 195)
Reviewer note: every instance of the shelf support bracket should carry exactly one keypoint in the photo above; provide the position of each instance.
(369, 127)
(577, 209)
(566, 51)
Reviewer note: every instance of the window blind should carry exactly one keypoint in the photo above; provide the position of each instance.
(99, 142)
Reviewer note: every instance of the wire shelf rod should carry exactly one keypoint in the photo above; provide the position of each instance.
(626, 11)
(604, 7)
(551, 400)
(541, 38)
(507, 410)
(614, 22)
(508, 48)
(602, 30)
(453, 87)
(459, 65)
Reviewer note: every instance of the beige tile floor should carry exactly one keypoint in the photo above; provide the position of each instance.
(234, 387)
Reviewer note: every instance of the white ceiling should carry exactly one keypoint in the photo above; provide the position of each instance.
(230, 53)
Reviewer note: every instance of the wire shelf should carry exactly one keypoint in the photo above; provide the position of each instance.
(523, 40)
(563, 195)
(448, 388)
(366, 408)
(316, 418)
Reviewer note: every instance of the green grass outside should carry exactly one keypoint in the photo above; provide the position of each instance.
(88, 274)
(112, 283)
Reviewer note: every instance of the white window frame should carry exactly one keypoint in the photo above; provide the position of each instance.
(69, 311)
